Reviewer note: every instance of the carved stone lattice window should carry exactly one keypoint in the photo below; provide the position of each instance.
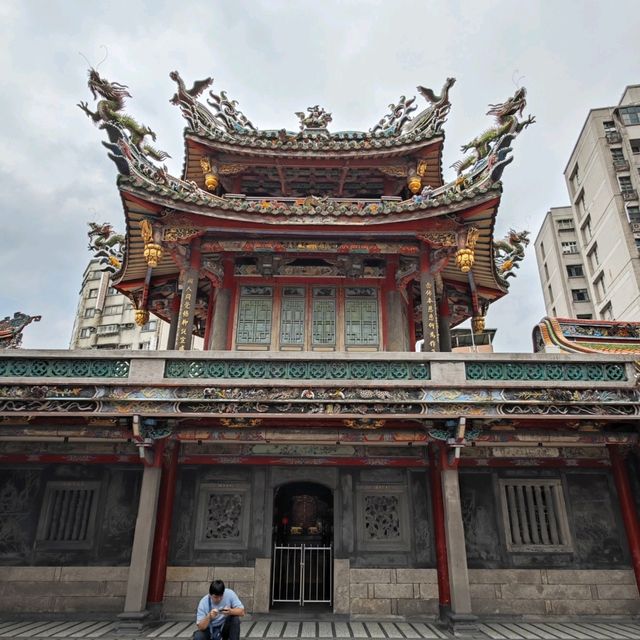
(535, 516)
(68, 516)
(381, 517)
(223, 516)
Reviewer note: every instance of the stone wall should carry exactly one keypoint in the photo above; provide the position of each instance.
(543, 592)
(63, 589)
(186, 585)
(397, 592)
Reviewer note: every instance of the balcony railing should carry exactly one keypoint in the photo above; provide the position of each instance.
(629, 194)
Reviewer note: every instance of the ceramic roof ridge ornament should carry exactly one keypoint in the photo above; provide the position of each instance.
(107, 245)
(110, 110)
(491, 149)
(11, 329)
(318, 119)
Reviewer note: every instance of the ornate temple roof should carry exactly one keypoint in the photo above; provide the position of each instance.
(241, 183)
(587, 336)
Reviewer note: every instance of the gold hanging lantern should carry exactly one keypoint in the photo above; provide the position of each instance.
(414, 183)
(477, 324)
(152, 254)
(464, 260)
(211, 181)
(141, 317)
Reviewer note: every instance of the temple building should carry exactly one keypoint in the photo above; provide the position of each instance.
(308, 455)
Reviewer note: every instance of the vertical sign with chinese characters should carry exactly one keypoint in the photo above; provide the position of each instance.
(187, 308)
(429, 313)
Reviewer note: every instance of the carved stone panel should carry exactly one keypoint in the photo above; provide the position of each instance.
(382, 515)
(223, 516)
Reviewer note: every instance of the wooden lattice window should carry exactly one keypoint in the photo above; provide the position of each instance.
(361, 316)
(535, 516)
(292, 316)
(68, 516)
(254, 315)
(324, 316)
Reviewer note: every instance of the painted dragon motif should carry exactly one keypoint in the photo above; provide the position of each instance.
(109, 110)
(107, 246)
(509, 252)
(507, 124)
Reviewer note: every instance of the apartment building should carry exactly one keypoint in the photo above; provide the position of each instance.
(588, 252)
(105, 318)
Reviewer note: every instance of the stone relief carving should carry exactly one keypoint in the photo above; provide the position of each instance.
(381, 517)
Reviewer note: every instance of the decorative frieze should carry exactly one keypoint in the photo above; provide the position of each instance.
(556, 371)
(63, 368)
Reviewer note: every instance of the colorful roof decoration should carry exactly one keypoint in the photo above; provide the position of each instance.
(11, 329)
(239, 182)
(587, 336)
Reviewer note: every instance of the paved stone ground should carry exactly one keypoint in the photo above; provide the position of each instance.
(329, 630)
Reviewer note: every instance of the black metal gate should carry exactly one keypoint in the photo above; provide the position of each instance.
(302, 573)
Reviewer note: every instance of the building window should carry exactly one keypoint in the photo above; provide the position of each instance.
(584, 316)
(150, 326)
(124, 346)
(93, 293)
(607, 312)
(586, 230)
(633, 212)
(112, 292)
(630, 115)
(68, 516)
(361, 316)
(554, 313)
(580, 295)
(635, 146)
(609, 126)
(89, 313)
(108, 329)
(637, 241)
(324, 316)
(292, 316)
(594, 260)
(617, 154)
(86, 332)
(144, 346)
(566, 224)
(546, 271)
(550, 290)
(625, 183)
(223, 516)
(580, 206)
(569, 247)
(535, 516)
(601, 290)
(254, 315)
(575, 270)
(112, 310)
(542, 251)
(575, 178)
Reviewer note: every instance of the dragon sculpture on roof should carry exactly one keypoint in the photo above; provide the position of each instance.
(509, 252)
(493, 143)
(11, 329)
(109, 110)
(108, 246)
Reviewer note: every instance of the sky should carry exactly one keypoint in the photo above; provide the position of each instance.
(277, 57)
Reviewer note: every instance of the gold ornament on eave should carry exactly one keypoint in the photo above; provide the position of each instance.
(414, 182)
(477, 324)
(464, 260)
(141, 317)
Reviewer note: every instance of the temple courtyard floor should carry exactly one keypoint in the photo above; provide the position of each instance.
(331, 629)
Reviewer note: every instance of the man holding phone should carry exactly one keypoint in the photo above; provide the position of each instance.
(218, 615)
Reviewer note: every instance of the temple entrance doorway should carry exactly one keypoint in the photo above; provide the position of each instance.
(302, 564)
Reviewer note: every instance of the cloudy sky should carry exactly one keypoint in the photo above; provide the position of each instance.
(277, 57)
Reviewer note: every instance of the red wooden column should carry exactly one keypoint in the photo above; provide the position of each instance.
(163, 525)
(437, 506)
(627, 506)
(210, 311)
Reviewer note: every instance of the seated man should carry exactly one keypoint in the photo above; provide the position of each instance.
(218, 616)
